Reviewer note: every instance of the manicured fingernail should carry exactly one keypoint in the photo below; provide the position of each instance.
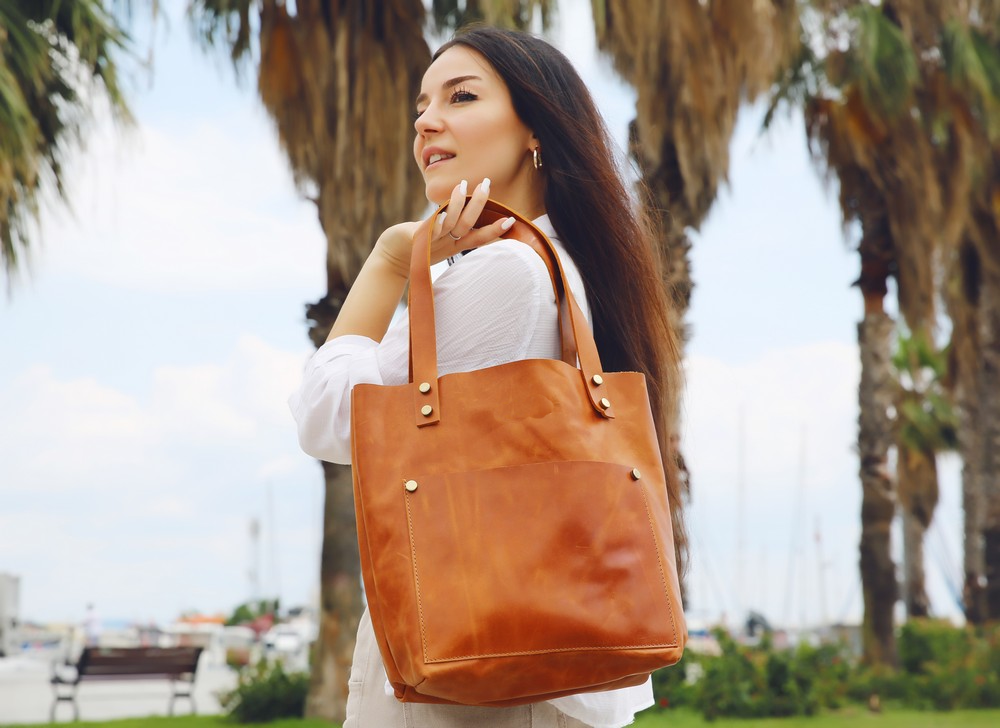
(440, 220)
(463, 187)
(506, 224)
(485, 186)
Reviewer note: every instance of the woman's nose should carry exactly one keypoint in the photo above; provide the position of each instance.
(428, 122)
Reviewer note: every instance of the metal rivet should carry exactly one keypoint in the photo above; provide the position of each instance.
(605, 402)
(597, 379)
(411, 485)
(635, 474)
(426, 410)
(424, 387)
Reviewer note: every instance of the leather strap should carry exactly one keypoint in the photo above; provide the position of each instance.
(548, 256)
(567, 344)
(423, 341)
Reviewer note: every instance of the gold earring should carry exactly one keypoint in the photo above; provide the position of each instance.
(536, 157)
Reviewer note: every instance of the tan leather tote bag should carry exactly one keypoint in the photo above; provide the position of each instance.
(513, 523)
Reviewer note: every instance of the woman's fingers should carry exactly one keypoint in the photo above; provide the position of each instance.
(454, 228)
(485, 234)
(454, 209)
(445, 245)
(472, 210)
(462, 214)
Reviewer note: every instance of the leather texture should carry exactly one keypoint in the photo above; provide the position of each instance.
(509, 552)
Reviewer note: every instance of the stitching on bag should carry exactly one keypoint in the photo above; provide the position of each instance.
(416, 577)
(599, 648)
(659, 561)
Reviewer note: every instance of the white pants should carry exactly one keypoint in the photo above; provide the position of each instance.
(368, 706)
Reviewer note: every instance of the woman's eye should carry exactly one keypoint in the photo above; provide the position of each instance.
(462, 95)
(457, 97)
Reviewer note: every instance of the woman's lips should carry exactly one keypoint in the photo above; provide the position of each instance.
(439, 162)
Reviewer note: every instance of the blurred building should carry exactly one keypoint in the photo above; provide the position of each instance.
(10, 607)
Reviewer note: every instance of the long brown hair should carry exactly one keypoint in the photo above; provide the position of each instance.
(610, 240)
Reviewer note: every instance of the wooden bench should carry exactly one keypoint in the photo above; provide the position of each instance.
(176, 664)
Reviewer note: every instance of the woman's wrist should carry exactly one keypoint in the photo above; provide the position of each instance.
(389, 260)
(393, 248)
(372, 299)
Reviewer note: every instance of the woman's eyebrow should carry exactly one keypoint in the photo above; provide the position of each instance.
(448, 84)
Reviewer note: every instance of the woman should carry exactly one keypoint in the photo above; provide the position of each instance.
(504, 115)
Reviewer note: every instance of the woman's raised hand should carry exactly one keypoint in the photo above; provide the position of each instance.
(453, 232)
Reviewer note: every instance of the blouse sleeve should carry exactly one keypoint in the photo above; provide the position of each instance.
(487, 309)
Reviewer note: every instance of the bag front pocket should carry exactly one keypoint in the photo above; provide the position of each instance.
(543, 557)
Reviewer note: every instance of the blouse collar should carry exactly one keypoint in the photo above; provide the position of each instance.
(545, 225)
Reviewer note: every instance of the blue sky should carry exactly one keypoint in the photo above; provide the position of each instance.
(148, 354)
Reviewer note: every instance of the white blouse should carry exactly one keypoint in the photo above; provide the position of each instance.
(493, 306)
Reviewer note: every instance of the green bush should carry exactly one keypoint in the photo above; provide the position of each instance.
(827, 668)
(865, 681)
(942, 667)
(731, 684)
(675, 686)
(760, 681)
(924, 643)
(265, 692)
(945, 667)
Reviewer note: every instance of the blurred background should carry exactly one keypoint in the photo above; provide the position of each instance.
(155, 316)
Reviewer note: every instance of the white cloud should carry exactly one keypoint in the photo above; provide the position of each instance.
(118, 500)
(57, 433)
(756, 547)
(203, 207)
(792, 402)
(783, 396)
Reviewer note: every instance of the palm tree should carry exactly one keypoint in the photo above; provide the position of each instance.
(968, 157)
(962, 299)
(925, 425)
(338, 77)
(872, 109)
(58, 59)
(898, 118)
(692, 64)
(985, 233)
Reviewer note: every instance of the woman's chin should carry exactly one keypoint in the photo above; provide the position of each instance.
(436, 195)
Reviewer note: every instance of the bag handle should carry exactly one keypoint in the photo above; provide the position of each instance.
(423, 341)
(567, 344)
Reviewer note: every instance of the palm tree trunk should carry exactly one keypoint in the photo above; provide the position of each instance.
(962, 298)
(339, 79)
(878, 502)
(989, 387)
(340, 598)
(970, 443)
(970, 446)
(918, 494)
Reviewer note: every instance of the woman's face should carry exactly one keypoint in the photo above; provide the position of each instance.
(467, 129)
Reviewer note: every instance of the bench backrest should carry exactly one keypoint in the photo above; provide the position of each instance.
(116, 661)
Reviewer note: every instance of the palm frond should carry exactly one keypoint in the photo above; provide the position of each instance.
(56, 59)
(798, 82)
(972, 64)
(226, 24)
(880, 61)
(448, 15)
(927, 418)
